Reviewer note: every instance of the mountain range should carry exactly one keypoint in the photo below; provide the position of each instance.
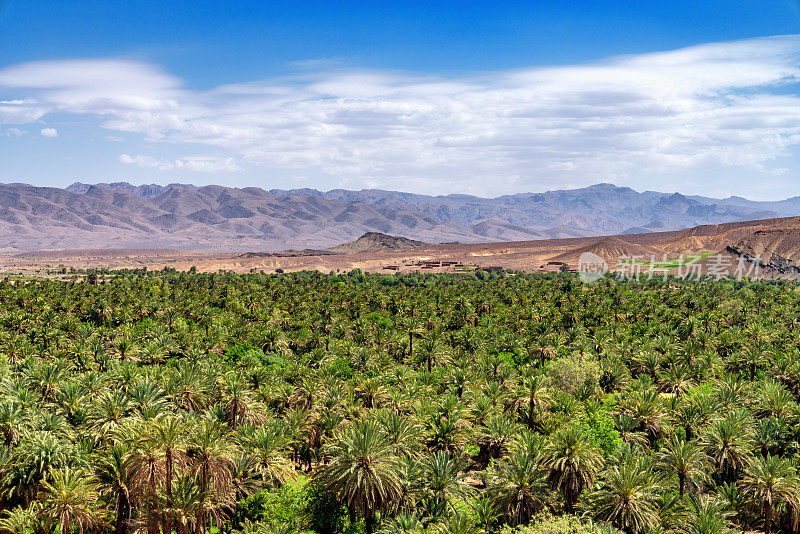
(215, 218)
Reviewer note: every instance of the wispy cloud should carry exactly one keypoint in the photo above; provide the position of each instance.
(14, 132)
(705, 107)
(21, 111)
(197, 163)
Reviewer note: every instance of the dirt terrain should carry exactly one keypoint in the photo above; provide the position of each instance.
(776, 241)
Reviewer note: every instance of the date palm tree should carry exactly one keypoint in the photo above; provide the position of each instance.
(684, 459)
(517, 486)
(705, 515)
(768, 481)
(533, 394)
(443, 476)
(363, 473)
(111, 470)
(496, 433)
(268, 444)
(70, 500)
(458, 523)
(627, 497)
(21, 520)
(209, 451)
(728, 443)
(168, 434)
(572, 462)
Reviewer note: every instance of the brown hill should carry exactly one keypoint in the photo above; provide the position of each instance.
(611, 249)
(708, 237)
(372, 241)
(777, 249)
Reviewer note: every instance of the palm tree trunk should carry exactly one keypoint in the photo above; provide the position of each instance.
(681, 484)
(767, 517)
(123, 513)
(530, 413)
(369, 522)
(152, 517)
(201, 514)
(168, 517)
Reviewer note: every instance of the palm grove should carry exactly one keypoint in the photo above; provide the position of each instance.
(192, 403)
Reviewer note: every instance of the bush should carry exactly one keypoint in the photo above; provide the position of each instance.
(235, 352)
(342, 368)
(574, 372)
(325, 514)
(286, 505)
(559, 525)
(599, 428)
(301, 505)
(246, 354)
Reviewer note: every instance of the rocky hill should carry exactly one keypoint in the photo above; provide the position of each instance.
(777, 249)
(377, 241)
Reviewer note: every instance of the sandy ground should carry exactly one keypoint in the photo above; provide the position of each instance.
(530, 256)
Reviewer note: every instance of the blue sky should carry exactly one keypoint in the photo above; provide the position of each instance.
(700, 97)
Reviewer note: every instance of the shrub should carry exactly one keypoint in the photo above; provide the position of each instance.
(284, 505)
(246, 354)
(342, 368)
(599, 428)
(559, 525)
(574, 372)
(300, 505)
(325, 514)
(235, 352)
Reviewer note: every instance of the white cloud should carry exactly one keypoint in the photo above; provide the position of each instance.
(49, 132)
(145, 161)
(14, 132)
(20, 111)
(713, 106)
(207, 164)
(196, 163)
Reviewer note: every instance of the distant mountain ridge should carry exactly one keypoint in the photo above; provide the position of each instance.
(216, 218)
(145, 191)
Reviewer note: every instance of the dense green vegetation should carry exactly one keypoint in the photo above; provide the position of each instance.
(161, 402)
